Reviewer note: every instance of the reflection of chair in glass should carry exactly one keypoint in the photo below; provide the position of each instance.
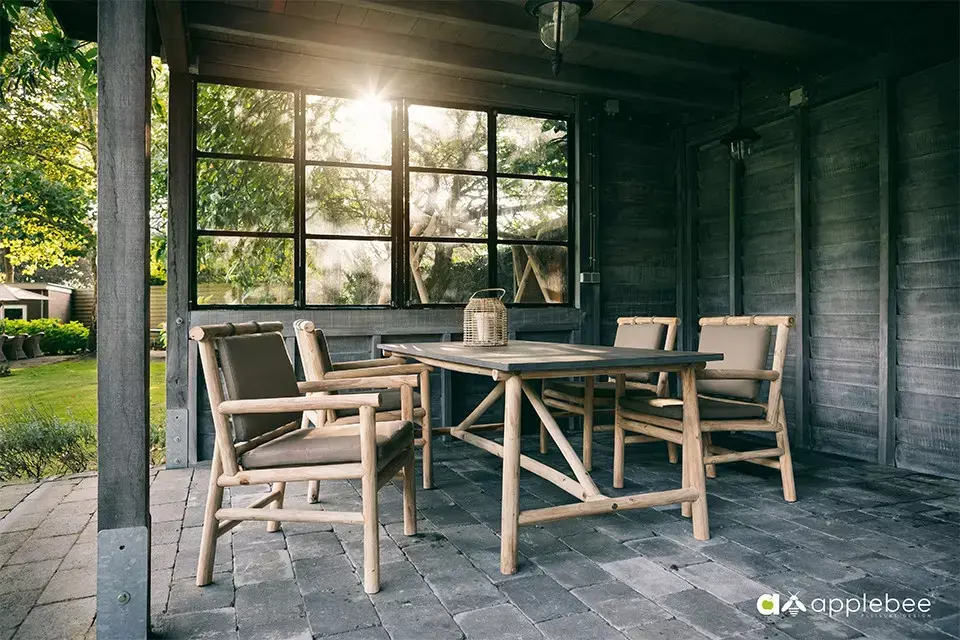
(590, 397)
(317, 365)
(259, 441)
(729, 397)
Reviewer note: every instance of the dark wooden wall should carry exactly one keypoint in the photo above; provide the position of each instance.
(884, 151)
(637, 229)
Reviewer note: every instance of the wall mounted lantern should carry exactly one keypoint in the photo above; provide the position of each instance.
(740, 139)
(559, 22)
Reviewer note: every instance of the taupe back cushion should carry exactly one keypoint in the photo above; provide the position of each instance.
(257, 366)
(326, 365)
(640, 336)
(743, 347)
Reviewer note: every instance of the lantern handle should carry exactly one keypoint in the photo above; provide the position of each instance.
(503, 292)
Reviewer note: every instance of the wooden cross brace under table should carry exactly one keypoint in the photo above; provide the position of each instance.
(512, 367)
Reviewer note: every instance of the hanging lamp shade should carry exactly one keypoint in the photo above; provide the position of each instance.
(558, 23)
(740, 139)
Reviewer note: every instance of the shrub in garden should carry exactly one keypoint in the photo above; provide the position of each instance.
(59, 338)
(35, 442)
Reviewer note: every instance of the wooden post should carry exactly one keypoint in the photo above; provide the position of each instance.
(736, 213)
(123, 391)
(510, 509)
(588, 207)
(686, 244)
(886, 447)
(180, 445)
(371, 522)
(801, 266)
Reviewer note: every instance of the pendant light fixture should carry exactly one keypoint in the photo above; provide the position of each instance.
(558, 22)
(740, 139)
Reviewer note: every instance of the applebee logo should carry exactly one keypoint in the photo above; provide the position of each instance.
(768, 604)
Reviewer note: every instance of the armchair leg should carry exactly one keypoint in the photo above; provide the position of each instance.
(786, 460)
(707, 442)
(313, 491)
(208, 539)
(425, 428)
(619, 445)
(588, 386)
(672, 454)
(409, 497)
(543, 438)
(371, 511)
(274, 525)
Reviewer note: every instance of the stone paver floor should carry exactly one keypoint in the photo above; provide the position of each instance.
(857, 529)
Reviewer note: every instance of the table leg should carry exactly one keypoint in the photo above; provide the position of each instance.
(510, 510)
(693, 454)
(588, 384)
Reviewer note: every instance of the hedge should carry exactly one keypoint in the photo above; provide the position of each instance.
(58, 337)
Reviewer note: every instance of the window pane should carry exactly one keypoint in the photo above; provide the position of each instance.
(348, 201)
(244, 270)
(345, 130)
(348, 272)
(447, 138)
(245, 121)
(533, 273)
(534, 209)
(446, 272)
(240, 195)
(531, 146)
(448, 206)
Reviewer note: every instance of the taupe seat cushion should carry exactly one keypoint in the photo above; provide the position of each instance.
(327, 445)
(389, 401)
(710, 409)
(604, 393)
(640, 336)
(743, 347)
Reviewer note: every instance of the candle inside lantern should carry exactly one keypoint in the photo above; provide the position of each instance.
(486, 326)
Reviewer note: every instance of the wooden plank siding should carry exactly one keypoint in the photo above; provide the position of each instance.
(928, 271)
(638, 222)
(844, 276)
(713, 230)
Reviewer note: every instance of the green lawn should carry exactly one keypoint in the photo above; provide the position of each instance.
(70, 388)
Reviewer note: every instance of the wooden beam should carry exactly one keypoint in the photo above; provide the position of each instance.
(801, 233)
(735, 241)
(886, 447)
(173, 35)
(123, 390)
(629, 44)
(686, 171)
(411, 52)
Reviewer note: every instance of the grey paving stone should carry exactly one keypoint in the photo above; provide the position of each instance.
(250, 567)
(742, 560)
(15, 606)
(58, 620)
(34, 550)
(186, 596)
(80, 555)
(325, 574)
(646, 577)
(464, 590)
(666, 552)
(259, 605)
(724, 583)
(34, 575)
(437, 557)
(488, 562)
(500, 622)
(448, 516)
(873, 586)
(369, 633)
(10, 542)
(668, 630)
(417, 618)
(579, 625)
(599, 547)
(619, 605)
(399, 581)
(313, 545)
(756, 540)
(899, 572)
(389, 551)
(70, 585)
(537, 541)
(332, 612)
(816, 565)
(541, 598)
(681, 531)
(572, 569)
(218, 624)
(289, 629)
(707, 614)
(949, 625)
(622, 529)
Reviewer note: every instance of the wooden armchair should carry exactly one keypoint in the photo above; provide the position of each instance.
(590, 397)
(259, 441)
(729, 398)
(317, 365)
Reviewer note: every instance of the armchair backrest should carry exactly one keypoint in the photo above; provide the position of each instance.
(645, 332)
(255, 365)
(744, 342)
(315, 358)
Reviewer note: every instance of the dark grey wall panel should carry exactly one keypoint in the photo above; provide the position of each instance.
(713, 230)
(638, 222)
(928, 271)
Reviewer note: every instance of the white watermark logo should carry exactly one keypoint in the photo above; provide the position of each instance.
(769, 604)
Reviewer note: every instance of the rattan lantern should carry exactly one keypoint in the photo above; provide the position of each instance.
(485, 320)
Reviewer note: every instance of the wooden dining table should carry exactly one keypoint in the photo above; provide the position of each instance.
(513, 367)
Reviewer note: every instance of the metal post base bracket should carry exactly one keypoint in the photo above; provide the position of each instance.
(123, 583)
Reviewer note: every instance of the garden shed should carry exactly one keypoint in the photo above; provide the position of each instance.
(367, 165)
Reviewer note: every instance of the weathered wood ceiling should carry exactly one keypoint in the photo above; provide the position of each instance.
(678, 56)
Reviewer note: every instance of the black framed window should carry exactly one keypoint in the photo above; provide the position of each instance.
(305, 199)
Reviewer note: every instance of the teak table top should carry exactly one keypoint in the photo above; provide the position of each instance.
(529, 356)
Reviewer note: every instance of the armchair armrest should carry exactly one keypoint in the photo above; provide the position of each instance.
(366, 364)
(738, 374)
(379, 382)
(308, 403)
(376, 372)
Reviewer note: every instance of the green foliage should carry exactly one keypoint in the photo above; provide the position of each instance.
(34, 442)
(5, 371)
(59, 338)
(161, 341)
(158, 443)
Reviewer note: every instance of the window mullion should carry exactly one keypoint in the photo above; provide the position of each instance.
(492, 198)
(300, 222)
